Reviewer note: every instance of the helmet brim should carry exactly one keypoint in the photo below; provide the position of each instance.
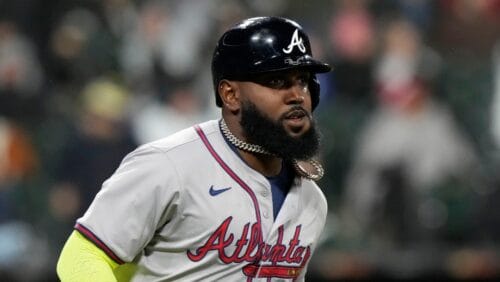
(310, 65)
(316, 66)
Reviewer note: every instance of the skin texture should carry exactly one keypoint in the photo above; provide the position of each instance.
(274, 95)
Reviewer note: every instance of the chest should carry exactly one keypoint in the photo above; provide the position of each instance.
(232, 222)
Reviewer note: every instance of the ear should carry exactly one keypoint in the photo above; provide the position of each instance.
(228, 92)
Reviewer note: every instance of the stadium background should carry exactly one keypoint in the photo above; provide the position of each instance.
(410, 120)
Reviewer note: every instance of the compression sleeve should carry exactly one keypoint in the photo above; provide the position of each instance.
(82, 261)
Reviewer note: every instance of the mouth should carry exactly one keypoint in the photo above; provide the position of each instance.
(296, 119)
(296, 114)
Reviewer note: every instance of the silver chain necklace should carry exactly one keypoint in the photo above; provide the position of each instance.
(253, 148)
(242, 145)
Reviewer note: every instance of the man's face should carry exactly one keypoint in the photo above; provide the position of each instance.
(281, 95)
(276, 114)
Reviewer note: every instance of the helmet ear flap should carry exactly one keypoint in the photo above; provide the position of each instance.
(314, 89)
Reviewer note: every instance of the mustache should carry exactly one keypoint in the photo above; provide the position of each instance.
(296, 110)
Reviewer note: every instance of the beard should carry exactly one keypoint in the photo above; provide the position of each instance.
(272, 136)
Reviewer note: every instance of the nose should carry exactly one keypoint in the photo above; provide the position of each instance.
(296, 93)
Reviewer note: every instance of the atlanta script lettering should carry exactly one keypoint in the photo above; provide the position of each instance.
(250, 247)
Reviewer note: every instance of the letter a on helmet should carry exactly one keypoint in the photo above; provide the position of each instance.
(296, 41)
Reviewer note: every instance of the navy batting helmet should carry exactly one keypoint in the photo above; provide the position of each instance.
(262, 45)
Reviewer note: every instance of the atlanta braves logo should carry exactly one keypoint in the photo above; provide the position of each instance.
(265, 260)
(296, 41)
(290, 61)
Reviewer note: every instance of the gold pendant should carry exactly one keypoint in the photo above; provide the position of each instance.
(310, 169)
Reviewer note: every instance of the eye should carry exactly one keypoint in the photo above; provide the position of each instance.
(275, 82)
(303, 80)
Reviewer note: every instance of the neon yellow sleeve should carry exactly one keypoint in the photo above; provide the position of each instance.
(82, 261)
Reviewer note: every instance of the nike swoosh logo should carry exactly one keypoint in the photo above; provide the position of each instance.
(214, 192)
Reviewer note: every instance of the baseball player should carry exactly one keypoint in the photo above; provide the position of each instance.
(233, 199)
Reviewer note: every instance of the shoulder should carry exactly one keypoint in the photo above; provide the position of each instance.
(184, 139)
(162, 151)
(180, 152)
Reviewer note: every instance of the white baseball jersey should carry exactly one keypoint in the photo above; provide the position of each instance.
(188, 208)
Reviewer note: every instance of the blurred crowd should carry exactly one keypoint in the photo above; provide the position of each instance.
(410, 121)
